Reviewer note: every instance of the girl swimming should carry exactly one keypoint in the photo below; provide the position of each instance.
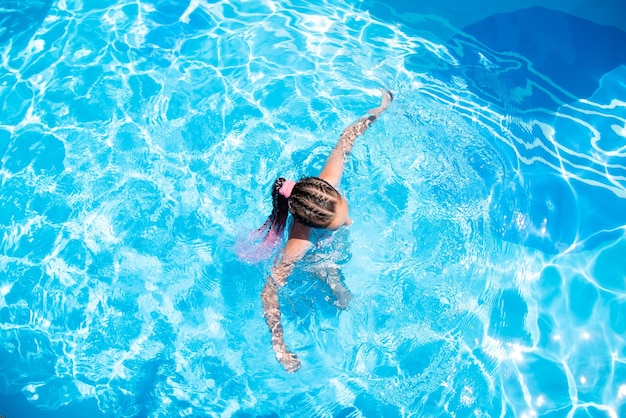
(314, 203)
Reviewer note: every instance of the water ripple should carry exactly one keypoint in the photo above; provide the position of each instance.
(139, 139)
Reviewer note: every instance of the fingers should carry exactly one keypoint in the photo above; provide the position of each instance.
(387, 98)
(384, 103)
(289, 360)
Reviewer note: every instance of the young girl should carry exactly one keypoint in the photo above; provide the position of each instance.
(314, 202)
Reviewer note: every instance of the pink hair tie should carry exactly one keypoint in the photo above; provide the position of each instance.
(286, 188)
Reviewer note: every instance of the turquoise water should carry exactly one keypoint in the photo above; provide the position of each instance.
(139, 142)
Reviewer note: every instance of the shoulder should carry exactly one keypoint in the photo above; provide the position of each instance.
(298, 243)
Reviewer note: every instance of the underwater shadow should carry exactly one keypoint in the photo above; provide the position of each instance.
(573, 52)
(576, 55)
(529, 65)
(20, 19)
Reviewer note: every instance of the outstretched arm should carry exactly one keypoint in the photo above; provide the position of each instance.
(294, 250)
(336, 161)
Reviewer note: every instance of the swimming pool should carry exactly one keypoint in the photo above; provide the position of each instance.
(139, 142)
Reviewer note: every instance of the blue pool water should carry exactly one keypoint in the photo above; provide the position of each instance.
(139, 142)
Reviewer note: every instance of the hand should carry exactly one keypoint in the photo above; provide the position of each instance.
(342, 298)
(387, 98)
(384, 103)
(289, 360)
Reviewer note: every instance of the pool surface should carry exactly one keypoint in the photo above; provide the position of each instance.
(138, 145)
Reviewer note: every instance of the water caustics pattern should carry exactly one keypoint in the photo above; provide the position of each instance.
(139, 142)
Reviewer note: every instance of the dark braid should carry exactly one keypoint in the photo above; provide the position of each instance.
(276, 222)
(313, 202)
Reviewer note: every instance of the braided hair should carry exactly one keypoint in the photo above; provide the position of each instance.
(312, 202)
